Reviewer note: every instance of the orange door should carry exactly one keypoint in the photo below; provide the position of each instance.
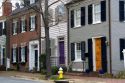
(98, 54)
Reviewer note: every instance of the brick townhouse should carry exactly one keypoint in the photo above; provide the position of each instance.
(24, 33)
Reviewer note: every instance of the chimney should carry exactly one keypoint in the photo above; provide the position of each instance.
(7, 7)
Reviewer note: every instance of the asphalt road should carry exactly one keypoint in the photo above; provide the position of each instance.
(16, 80)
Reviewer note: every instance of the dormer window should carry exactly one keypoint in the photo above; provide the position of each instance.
(32, 1)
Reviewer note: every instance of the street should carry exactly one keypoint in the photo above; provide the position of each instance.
(16, 80)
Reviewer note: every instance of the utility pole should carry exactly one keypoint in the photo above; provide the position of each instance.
(47, 40)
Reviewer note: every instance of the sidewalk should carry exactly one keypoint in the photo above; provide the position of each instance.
(73, 79)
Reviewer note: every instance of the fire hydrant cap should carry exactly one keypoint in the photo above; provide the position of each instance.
(60, 69)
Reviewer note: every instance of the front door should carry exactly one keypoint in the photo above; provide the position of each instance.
(61, 52)
(98, 54)
(36, 59)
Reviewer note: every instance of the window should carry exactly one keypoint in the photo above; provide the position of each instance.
(122, 10)
(77, 18)
(2, 28)
(78, 51)
(96, 13)
(32, 22)
(14, 28)
(23, 54)
(32, 1)
(23, 25)
(14, 55)
(122, 46)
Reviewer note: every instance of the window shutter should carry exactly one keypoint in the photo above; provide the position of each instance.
(26, 53)
(72, 19)
(29, 23)
(72, 51)
(90, 54)
(11, 55)
(82, 16)
(12, 29)
(17, 55)
(103, 11)
(121, 11)
(20, 54)
(1, 29)
(122, 46)
(104, 54)
(5, 27)
(36, 22)
(25, 25)
(20, 30)
(17, 28)
(83, 50)
(90, 16)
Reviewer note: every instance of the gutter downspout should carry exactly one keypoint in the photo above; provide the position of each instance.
(110, 48)
(68, 61)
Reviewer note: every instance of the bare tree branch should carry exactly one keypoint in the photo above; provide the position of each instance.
(53, 3)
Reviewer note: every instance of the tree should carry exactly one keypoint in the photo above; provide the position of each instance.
(43, 9)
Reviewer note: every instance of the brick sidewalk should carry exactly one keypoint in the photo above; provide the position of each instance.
(76, 79)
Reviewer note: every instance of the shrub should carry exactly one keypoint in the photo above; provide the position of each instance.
(121, 75)
(87, 70)
(43, 61)
(2, 68)
(54, 70)
(43, 71)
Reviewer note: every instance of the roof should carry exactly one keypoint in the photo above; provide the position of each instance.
(73, 2)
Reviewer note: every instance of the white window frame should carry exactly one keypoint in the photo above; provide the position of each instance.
(77, 19)
(32, 1)
(96, 13)
(78, 59)
(15, 27)
(23, 25)
(14, 55)
(23, 54)
(32, 22)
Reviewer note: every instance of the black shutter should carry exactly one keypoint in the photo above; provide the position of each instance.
(104, 54)
(17, 55)
(0, 28)
(12, 29)
(20, 26)
(72, 51)
(90, 58)
(36, 22)
(29, 23)
(17, 28)
(121, 11)
(25, 25)
(122, 46)
(11, 55)
(82, 16)
(83, 50)
(5, 27)
(90, 14)
(103, 11)
(72, 19)
(26, 53)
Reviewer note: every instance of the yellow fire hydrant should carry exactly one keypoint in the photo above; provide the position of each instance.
(60, 72)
